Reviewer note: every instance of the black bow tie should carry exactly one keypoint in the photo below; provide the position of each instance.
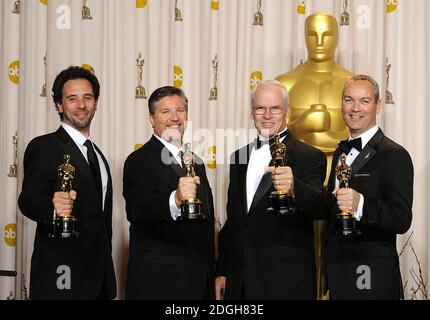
(346, 145)
(261, 143)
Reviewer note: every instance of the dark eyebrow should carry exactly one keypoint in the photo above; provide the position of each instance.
(75, 95)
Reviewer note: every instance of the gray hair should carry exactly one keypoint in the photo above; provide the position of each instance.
(273, 84)
(364, 77)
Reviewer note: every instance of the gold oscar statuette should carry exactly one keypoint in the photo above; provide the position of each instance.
(388, 95)
(178, 14)
(86, 13)
(43, 92)
(140, 89)
(214, 91)
(345, 221)
(345, 18)
(258, 16)
(16, 7)
(64, 226)
(191, 210)
(283, 202)
(13, 168)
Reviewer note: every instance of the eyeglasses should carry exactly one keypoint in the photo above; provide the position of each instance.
(275, 110)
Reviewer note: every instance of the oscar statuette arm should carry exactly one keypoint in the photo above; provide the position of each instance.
(315, 119)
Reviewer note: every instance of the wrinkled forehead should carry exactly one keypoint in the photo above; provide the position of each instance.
(321, 23)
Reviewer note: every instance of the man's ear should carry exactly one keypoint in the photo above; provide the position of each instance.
(151, 120)
(287, 119)
(378, 106)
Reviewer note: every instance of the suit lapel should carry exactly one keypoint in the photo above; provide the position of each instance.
(78, 161)
(368, 152)
(109, 182)
(202, 189)
(263, 187)
(242, 161)
(332, 180)
(160, 148)
(177, 169)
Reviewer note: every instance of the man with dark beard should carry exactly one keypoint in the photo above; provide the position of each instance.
(61, 267)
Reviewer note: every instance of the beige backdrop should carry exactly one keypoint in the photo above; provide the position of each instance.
(181, 53)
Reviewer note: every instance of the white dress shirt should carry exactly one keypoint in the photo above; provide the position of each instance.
(258, 161)
(79, 140)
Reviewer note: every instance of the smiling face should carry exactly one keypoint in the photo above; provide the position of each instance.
(359, 108)
(169, 119)
(267, 98)
(78, 105)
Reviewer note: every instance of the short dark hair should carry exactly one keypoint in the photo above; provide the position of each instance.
(73, 73)
(364, 77)
(163, 92)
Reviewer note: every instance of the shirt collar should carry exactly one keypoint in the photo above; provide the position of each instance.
(76, 136)
(174, 150)
(265, 139)
(366, 136)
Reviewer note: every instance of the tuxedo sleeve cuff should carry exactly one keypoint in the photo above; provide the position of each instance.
(359, 213)
(175, 212)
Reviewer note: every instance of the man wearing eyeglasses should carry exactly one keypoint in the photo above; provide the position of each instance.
(264, 256)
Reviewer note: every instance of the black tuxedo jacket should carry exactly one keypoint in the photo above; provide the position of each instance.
(272, 256)
(88, 257)
(383, 174)
(167, 259)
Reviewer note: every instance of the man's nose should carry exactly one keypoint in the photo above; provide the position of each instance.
(81, 103)
(356, 106)
(175, 116)
(267, 113)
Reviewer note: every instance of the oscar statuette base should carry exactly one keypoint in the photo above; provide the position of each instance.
(64, 228)
(346, 225)
(282, 204)
(192, 212)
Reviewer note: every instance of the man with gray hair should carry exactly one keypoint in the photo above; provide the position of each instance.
(261, 255)
(379, 198)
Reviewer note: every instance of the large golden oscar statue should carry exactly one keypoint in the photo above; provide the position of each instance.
(315, 90)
